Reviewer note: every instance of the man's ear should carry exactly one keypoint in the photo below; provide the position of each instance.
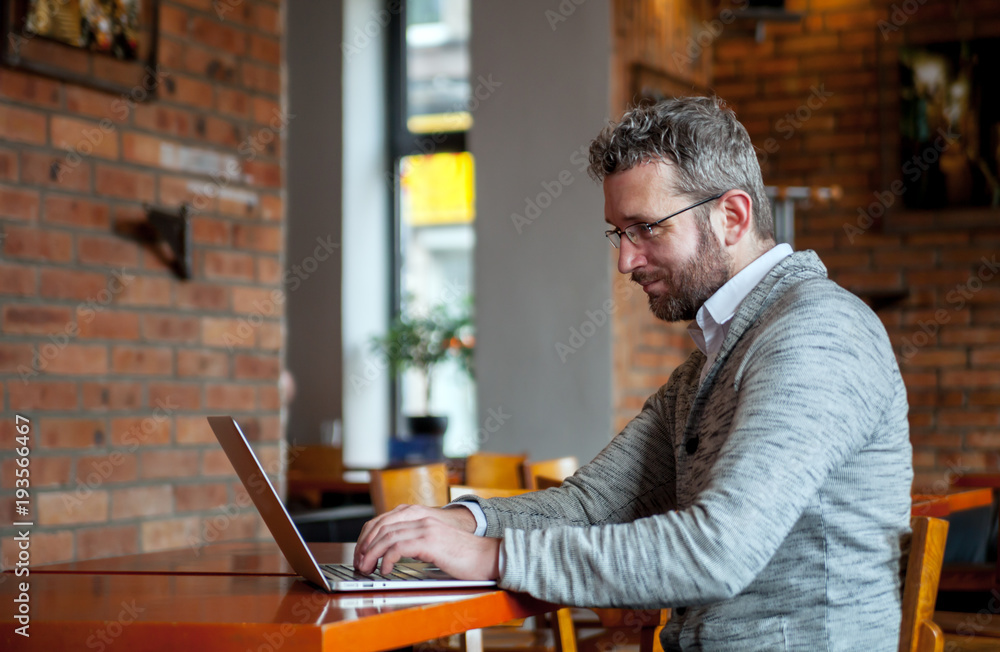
(737, 216)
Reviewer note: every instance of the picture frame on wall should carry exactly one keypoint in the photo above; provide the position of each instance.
(109, 45)
(950, 124)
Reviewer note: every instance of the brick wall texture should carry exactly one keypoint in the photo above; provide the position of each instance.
(820, 99)
(112, 359)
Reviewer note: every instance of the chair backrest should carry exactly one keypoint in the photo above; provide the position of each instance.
(544, 482)
(323, 461)
(497, 470)
(416, 485)
(921, 574)
(559, 469)
(458, 490)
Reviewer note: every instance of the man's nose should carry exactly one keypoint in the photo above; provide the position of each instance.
(629, 257)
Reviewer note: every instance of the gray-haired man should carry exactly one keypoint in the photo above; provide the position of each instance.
(763, 490)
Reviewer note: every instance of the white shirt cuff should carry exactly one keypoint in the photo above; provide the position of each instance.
(479, 515)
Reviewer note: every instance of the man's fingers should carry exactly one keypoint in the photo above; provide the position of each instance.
(394, 541)
(390, 557)
(409, 541)
(372, 529)
(368, 532)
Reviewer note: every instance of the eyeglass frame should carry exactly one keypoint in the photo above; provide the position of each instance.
(649, 225)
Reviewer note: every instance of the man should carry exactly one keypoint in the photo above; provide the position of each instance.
(762, 491)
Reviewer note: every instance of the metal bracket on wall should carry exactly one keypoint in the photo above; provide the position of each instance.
(165, 230)
(783, 200)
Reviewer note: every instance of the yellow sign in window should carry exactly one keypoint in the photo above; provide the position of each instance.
(438, 189)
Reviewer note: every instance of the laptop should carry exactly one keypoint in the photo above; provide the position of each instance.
(332, 578)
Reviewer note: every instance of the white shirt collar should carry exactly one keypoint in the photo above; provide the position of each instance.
(711, 324)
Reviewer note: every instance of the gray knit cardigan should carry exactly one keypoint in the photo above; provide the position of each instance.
(768, 503)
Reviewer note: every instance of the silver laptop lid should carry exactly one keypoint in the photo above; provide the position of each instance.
(271, 509)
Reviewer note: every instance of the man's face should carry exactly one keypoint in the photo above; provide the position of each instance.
(683, 264)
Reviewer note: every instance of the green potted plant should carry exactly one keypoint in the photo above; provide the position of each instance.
(422, 342)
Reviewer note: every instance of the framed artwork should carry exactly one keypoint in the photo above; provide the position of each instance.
(105, 44)
(949, 126)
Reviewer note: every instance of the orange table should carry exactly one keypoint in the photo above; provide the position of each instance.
(217, 559)
(941, 505)
(162, 602)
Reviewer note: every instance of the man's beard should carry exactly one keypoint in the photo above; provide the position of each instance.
(691, 286)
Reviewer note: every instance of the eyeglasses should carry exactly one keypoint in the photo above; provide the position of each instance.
(644, 230)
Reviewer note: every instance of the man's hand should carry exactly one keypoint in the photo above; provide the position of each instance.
(443, 537)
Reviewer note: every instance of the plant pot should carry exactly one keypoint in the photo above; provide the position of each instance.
(427, 425)
(427, 435)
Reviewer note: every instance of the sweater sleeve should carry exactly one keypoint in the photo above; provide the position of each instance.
(810, 391)
(637, 466)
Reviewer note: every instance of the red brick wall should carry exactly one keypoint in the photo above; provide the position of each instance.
(112, 359)
(850, 139)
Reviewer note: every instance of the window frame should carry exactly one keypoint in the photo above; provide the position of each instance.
(403, 143)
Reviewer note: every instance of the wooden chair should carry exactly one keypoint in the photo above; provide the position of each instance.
(305, 462)
(543, 482)
(613, 621)
(428, 485)
(921, 575)
(560, 467)
(972, 576)
(497, 470)
(967, 632)
(416, 485)
(564, 634)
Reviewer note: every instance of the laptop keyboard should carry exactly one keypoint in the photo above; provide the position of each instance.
(345, 572)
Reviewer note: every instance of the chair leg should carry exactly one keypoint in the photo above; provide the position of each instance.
(649, 639)
(564, 631)
(472, 641)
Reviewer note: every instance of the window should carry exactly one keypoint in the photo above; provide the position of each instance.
(435, 197)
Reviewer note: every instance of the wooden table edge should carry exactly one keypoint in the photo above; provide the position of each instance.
(403, 627)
